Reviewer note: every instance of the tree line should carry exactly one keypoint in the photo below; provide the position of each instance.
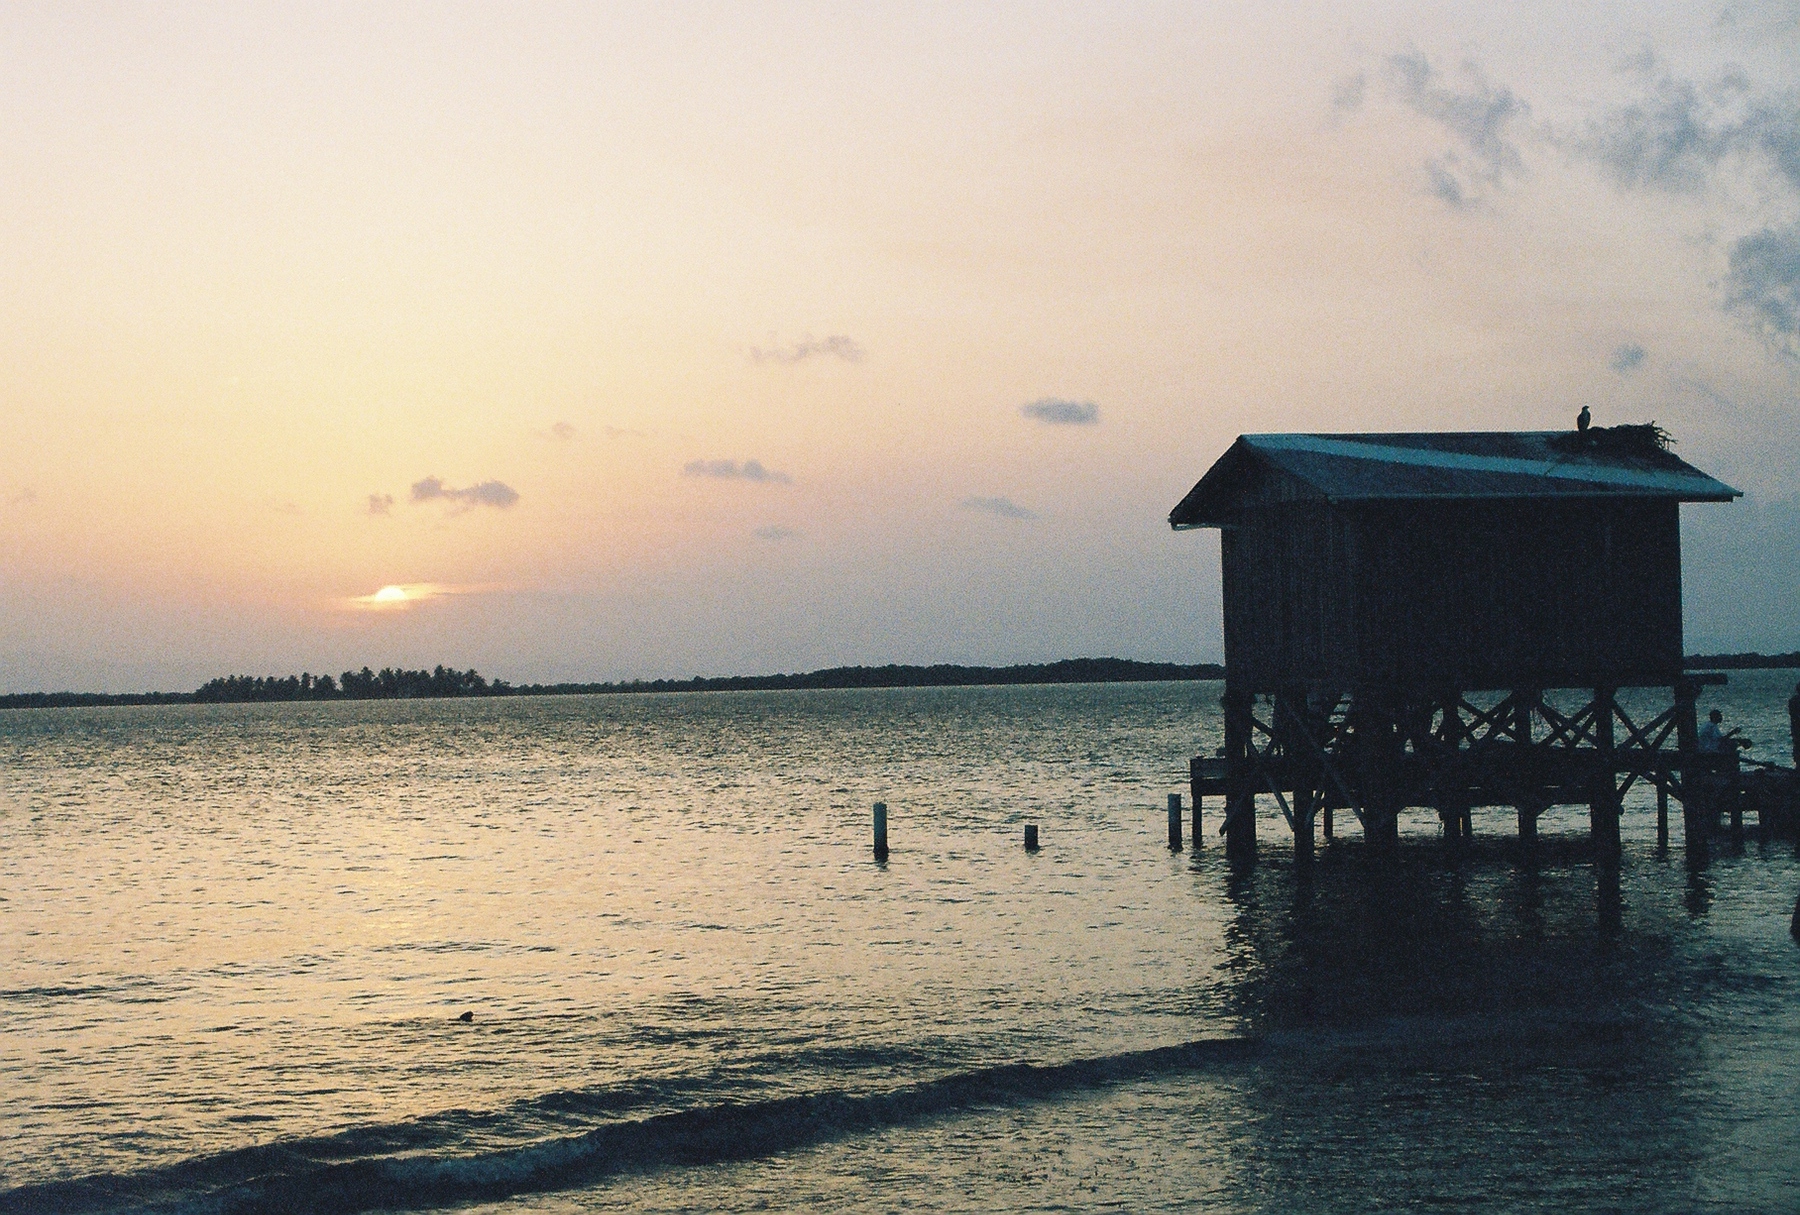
(895, 675)
(394, 683)
(389, 683)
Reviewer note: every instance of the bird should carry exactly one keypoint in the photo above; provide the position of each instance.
(1582, 419)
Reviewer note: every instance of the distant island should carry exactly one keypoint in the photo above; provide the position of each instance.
(393, 683)
(1741, 662)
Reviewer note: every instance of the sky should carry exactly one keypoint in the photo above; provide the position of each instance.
(671, 339)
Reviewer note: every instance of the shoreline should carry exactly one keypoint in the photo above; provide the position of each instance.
(892, 675)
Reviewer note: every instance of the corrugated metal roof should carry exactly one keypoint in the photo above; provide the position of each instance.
(1624, 462)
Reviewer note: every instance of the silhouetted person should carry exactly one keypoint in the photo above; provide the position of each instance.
(1713, 739)
(1710, 740)
(1581, 421)
(1724, 744)
(1794, 722)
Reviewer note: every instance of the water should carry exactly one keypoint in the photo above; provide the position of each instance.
(236, 941)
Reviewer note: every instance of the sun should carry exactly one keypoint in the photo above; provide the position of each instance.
(396, 596)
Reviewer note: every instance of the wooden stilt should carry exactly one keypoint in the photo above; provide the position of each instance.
(1194, 779)
(1305, 801)
(1240, 796)
(1695, 805)
(1603, 808)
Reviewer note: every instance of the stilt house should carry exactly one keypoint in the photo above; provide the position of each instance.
(1373, 581)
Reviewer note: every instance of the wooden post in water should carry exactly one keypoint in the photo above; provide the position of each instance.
(1031, 844)
(1305, 802)
(1662, 818)
(1694, 802)
(1529, 809)
(1240, 797)
(1174, 822)
(1603, 806)
(881, 848)
(1194, 777)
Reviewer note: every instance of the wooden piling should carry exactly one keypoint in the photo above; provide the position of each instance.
(1304, 802)
(881, 847)
(1194, 778)
(1240, 798)
(1603, 806)
(1695, 805)
(1031, 841)
(1174, 822)
(1528, 817)
(1662, 818)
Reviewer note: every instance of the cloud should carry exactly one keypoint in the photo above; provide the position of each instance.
(1442, 184)
(562, 432)
(1682, 138)
(1628, 358)
(381, 504)
(1055, 412)
(1004, 508)
(623, 432)
(24, 497)
(775, 531)
(1478, 116)
(1664, 141)
(496, 494)
(1676, 137)
(836, 346)
(1762, 286)
(288, 508)
(731, 470)
(1347, 94)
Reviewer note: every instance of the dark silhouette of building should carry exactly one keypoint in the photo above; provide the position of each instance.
(1372, 581)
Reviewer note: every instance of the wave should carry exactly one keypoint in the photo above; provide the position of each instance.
(429, 1162)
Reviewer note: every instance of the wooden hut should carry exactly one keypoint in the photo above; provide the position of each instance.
(1371, 581)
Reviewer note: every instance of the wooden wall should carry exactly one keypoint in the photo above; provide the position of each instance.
(1463, 594)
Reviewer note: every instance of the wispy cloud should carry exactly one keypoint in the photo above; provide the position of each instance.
(1680, 134)
(24, 497)
(1762, 286)
(1667, 140)
(1053, 411)
(381, 504)
(1003, 508)
(1348, 93)
(1478, 116)
(835, 346)
(1628, 358)
(562, 432)
(496, 494)
(731, 470)
(775, 531)
(1683, 137)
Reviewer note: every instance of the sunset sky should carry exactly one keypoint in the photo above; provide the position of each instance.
(661, 340)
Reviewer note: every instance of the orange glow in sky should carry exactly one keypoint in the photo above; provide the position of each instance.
(742, 339)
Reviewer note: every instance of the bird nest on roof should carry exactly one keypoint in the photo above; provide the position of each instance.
(1636, 439)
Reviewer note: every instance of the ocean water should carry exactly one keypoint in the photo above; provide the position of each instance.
(236, 943)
